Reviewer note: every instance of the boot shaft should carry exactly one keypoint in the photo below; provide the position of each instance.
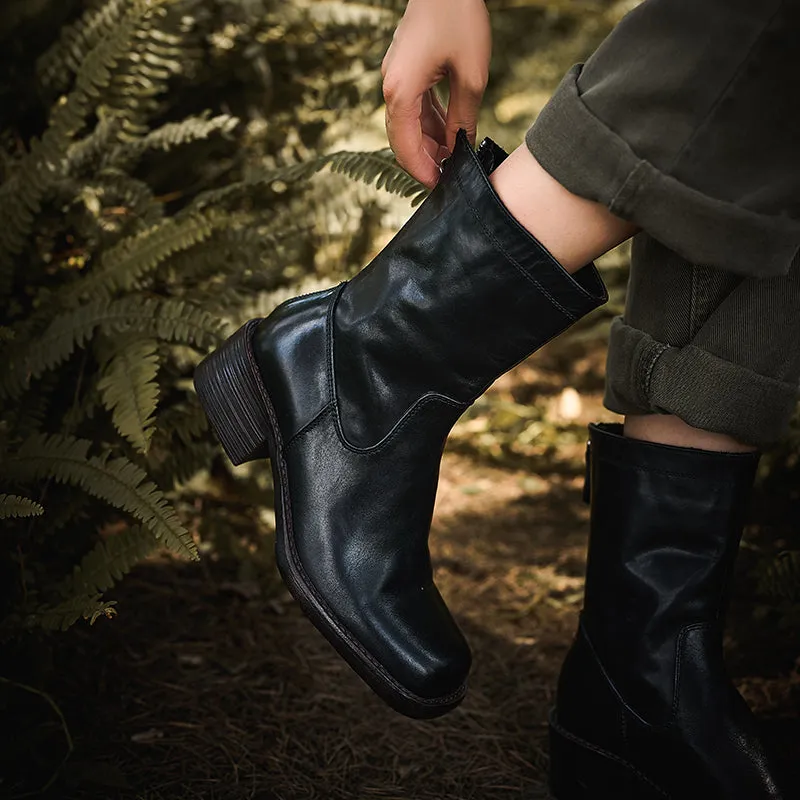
(460, 295)
(645, 707)
(665, 529)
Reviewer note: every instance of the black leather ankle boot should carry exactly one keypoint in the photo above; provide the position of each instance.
(645, 709)
(351, 392)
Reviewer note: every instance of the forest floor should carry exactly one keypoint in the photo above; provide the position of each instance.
(214, 686)
(211, 685)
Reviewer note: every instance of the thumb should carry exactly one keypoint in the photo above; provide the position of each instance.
(462, 110)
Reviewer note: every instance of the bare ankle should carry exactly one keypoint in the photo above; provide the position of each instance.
(575, 230)
(667, 429)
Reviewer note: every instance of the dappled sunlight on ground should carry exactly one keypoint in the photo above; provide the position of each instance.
(211, 683)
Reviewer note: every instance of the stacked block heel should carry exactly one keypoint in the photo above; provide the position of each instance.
(580, 771)
(229, 387)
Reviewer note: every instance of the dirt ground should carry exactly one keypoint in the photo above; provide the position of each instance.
(214, 686)
(202, 691)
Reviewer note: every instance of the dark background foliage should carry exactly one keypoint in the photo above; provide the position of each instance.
(202, 164)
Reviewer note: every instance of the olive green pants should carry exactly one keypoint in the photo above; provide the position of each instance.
(686, 121)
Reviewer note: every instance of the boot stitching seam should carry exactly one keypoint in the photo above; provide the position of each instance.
(613, 687)
(676, 686)
(512, 220)
(611, 756)
(522, 271)
(623, 726)
(387, 439)
(404, 419)
(310, 424)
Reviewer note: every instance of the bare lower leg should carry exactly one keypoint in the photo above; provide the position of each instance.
(575, 230)
(667, 429)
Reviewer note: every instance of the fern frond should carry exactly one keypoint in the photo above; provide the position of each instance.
(143, 76)
(12, 505)
(180, 447)
(119, 482)
(780, 577)
(129, 390)
(185, 421)
(27, 416)
(108, 562)
(378, 167)
(66, 614)
(172, 135)
(292, 173)
(21, 195)
(166, 320)
(92, 148)
(255, 246)
(364, 16)
(101, 210)
(117, 188)
(58, 64)
(127, 262)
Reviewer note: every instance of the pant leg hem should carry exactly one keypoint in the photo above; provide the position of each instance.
(594, 162)
(645, 376)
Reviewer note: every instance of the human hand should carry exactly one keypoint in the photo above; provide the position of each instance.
(435, 38)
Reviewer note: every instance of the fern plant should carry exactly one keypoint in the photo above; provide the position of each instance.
(137, 227)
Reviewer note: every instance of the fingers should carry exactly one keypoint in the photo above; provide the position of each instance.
(421, 132)
(434, 126)
(437, 104)
(466, 94)
(433, 116)
(434, 40)
(406, 114)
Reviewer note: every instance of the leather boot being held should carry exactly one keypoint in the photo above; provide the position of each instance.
(645, 709)
(351, 393)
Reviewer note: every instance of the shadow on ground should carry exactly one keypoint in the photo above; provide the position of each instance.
(204, 688)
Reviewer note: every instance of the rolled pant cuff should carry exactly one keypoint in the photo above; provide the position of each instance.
(592, 161)
(645, 376)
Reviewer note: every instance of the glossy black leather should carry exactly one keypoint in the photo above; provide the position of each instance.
(645, 678)
(368, 378)
(290, 346)
(461, 294)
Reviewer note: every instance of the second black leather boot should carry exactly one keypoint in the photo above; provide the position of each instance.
(645, 709)
(351, 392)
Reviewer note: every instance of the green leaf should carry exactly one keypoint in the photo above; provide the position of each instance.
(129, 390)
(12, 505)
(22, 193)
(108, 562)
(66, 614)
(115, 480)
(172, 135)
(779, 577)
(378, 167)
(166, 320)
(135, 256)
